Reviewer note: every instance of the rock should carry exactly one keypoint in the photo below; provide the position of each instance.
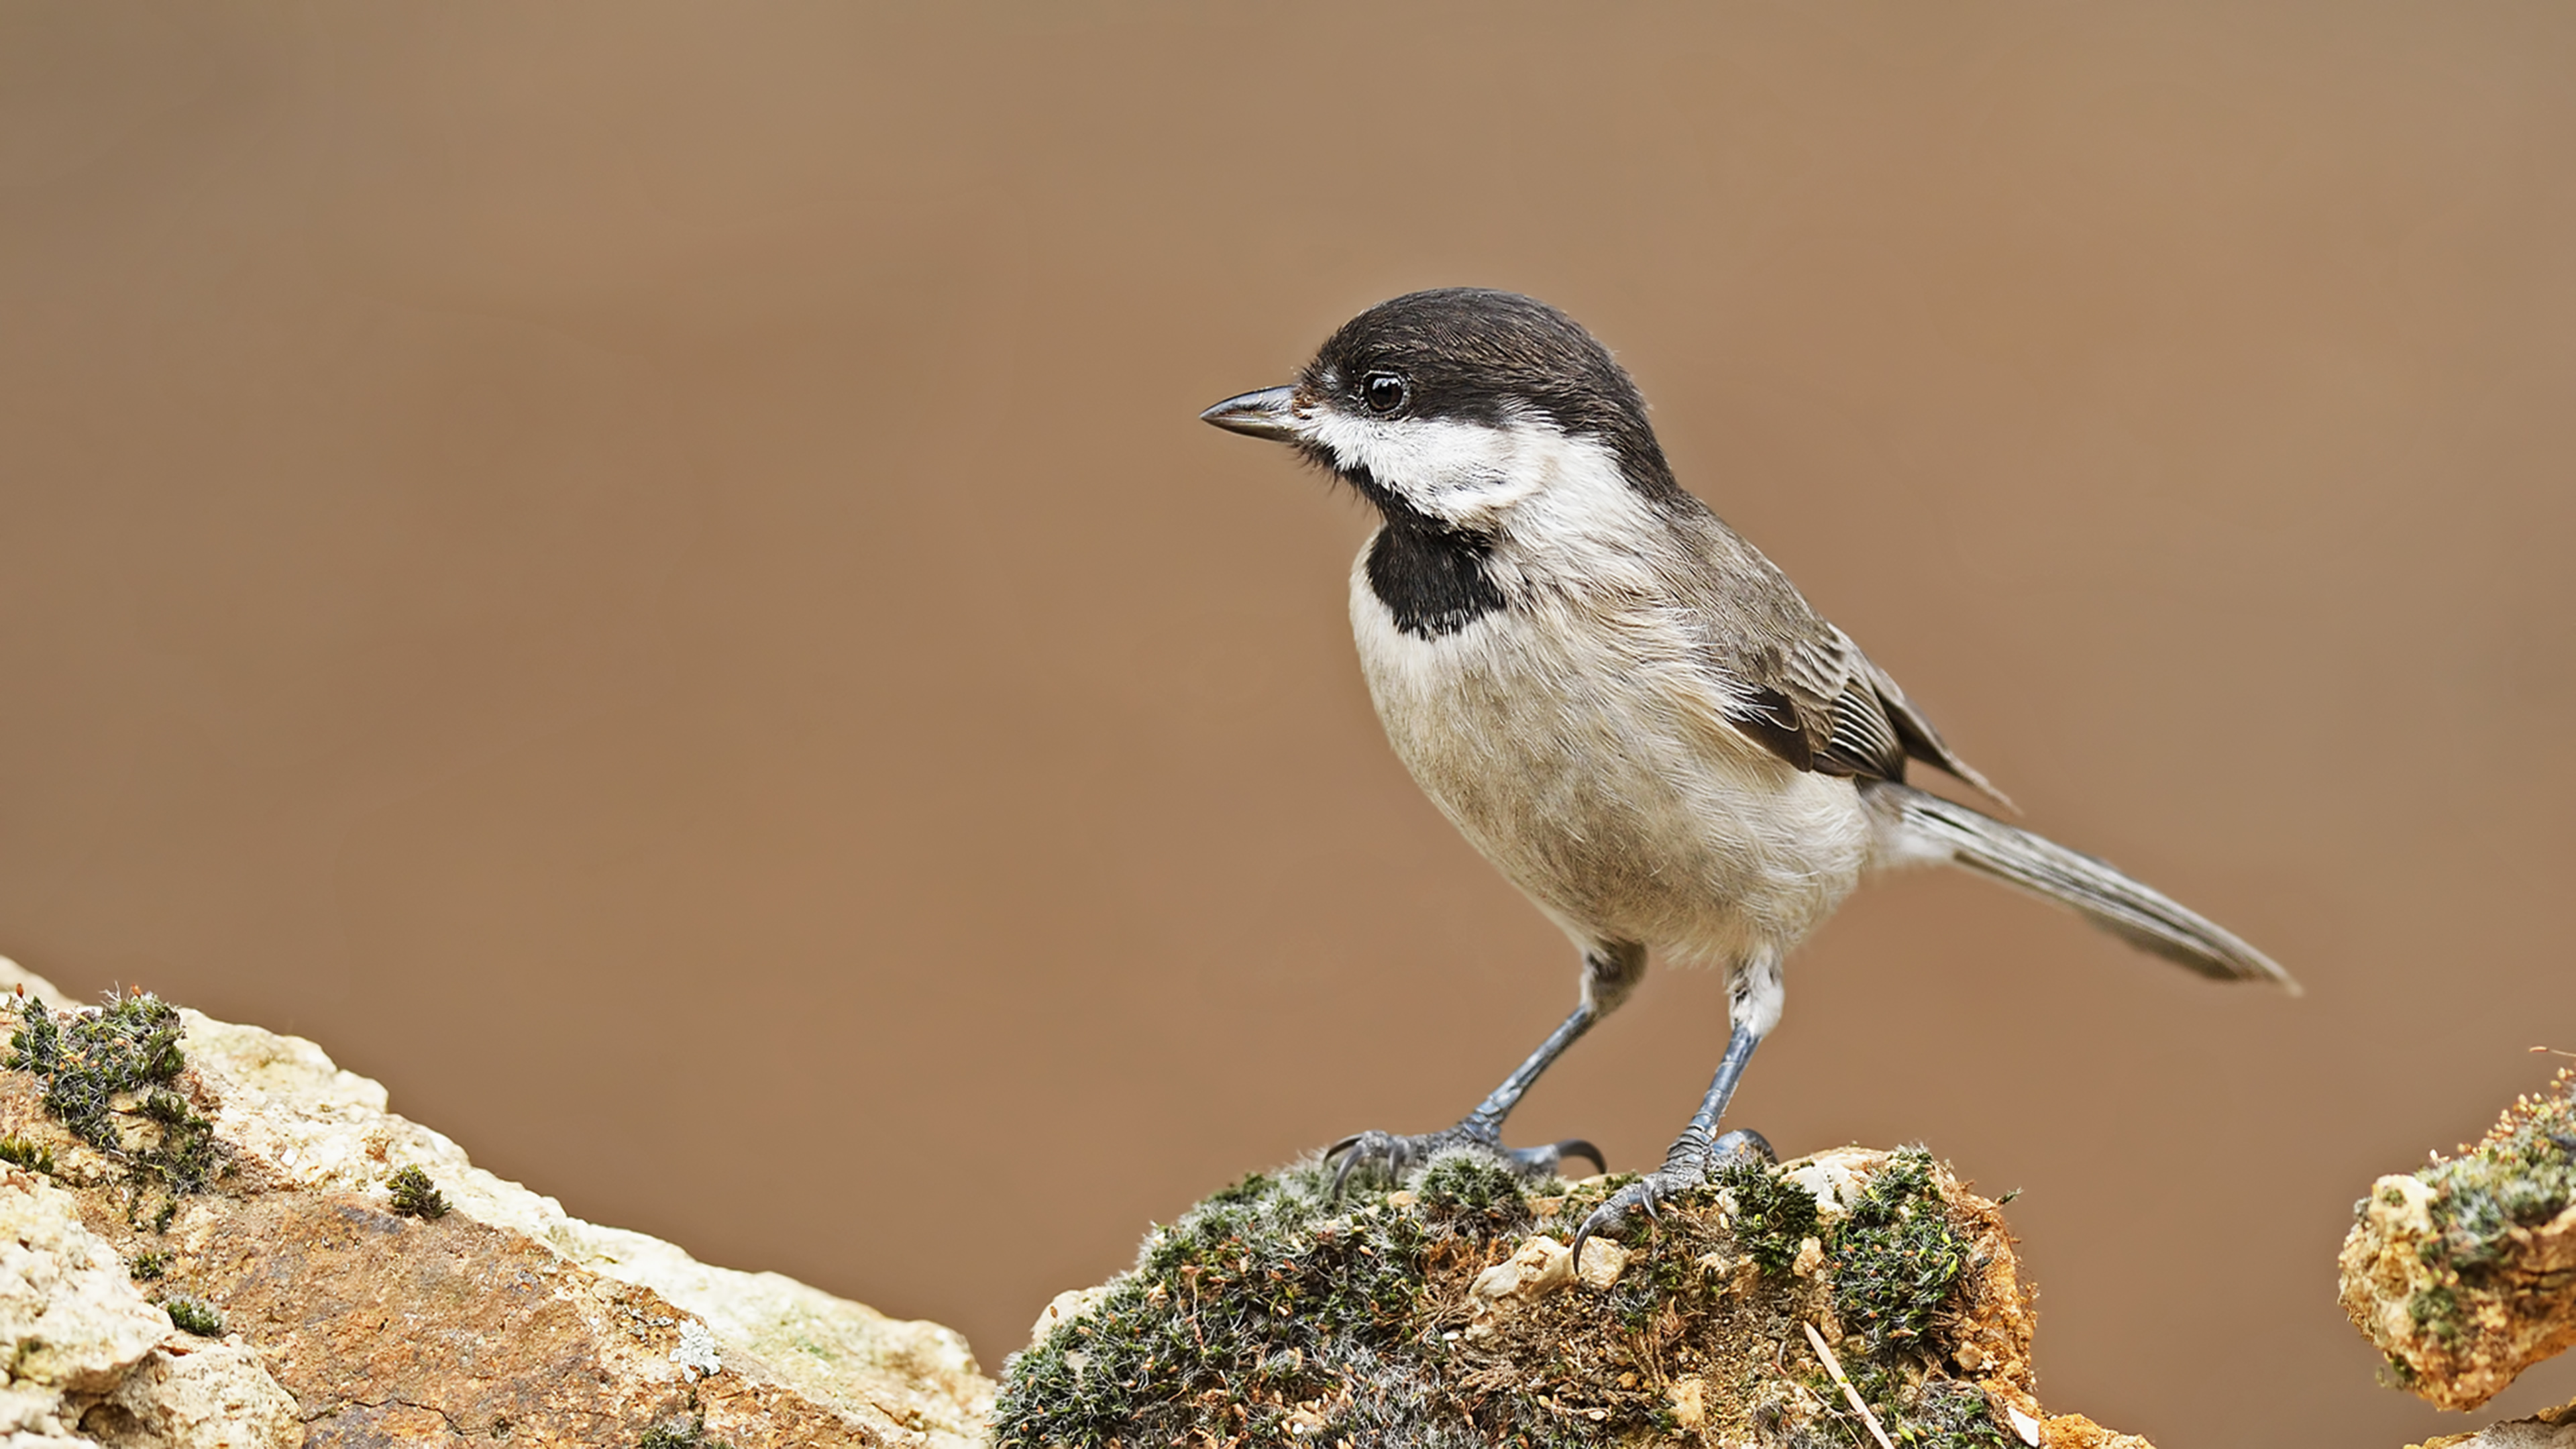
(2550, 1429)
(2464, 1273)
(1534, 1269)
(78, 1335)
(2074, 1431)
(346, 1322)
(70, 1316)
(1065, 1307)
(1810, 1259)
(1603, 1262)
(1689, 1396)
(198, 1398)
(1448, 1313)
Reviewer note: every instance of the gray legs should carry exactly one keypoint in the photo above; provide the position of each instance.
(1700, 1149)
(1609, 973)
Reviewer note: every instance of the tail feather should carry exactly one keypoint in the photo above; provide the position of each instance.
(2136, 913)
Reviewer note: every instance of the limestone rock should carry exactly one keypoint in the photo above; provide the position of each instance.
(349, 1323)
(180, 1397)
(1448, 1313)
(79, 1338)
(69, 1315)
(2464, 1273)
(1065, 1307)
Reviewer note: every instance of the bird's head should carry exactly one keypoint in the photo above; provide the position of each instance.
(1454, 407)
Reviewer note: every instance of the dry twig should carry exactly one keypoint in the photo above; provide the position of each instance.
(1832, 1366)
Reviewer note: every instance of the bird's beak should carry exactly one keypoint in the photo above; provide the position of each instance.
(1270, 413)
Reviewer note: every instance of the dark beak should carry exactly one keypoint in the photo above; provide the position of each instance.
(1270, 413)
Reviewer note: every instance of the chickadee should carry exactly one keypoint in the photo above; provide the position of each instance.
(1625, 706)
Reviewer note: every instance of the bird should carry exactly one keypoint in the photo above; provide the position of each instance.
(1623, 705)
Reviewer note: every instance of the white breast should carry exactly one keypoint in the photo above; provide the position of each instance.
(1576, 744)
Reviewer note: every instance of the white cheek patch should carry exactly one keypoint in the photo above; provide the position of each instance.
(1470, 474)
(1587, 502)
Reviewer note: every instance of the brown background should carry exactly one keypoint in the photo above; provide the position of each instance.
(648, 576)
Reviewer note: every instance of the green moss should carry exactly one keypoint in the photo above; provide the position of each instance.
(1261, 1297)
(2436, 1310)
(1951, 1415)
(1896, 1255)
(86, 1060)
(130, 1045)
(187, 1155)
(1655, 1280)
(1270, 1314)
(1469, 1192)
(195, 1315)
(1773, 1215)
(680, 1433)
(415, 1196)
(37, 1045)
(148, 1265)
(19, 1152)
(2521, 1174)
(1251, 1187)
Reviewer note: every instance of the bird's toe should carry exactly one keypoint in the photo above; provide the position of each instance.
(1743, 1143)
(1686, 1167)
(1387, 1156)
(1547, 1157)
(1646, 1195)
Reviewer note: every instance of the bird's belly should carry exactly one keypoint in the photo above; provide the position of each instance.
(1607, 804)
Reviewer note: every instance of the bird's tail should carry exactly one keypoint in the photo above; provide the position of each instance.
(1928, 828)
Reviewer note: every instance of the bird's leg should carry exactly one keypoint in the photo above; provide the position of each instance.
(1385, 1153)
(1694, 1155)
(1754, 1003)
(1609, 974)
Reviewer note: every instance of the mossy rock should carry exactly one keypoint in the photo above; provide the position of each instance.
(2464, 1272)
(1270, 1314)
(110, 1074)
(2520, 1176)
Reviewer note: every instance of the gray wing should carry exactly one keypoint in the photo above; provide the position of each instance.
(1796, 684)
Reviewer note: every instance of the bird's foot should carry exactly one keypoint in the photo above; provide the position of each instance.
(1688, 1166)
(1388, 1156)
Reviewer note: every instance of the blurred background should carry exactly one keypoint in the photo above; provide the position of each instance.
(647, 575)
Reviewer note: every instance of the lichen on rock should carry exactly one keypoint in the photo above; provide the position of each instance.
(2464, 1273)
(1448, 1312)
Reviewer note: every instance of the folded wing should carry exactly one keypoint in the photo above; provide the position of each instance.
(1790, 680)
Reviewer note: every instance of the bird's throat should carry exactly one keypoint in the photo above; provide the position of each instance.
(1433, 577)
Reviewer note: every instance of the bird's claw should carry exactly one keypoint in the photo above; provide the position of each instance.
(1645, 1195)
(1688, 1166)
(1388, 1156)
(1541, 1160)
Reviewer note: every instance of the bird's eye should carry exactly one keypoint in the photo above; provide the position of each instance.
(1382, 391)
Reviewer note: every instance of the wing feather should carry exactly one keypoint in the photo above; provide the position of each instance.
(1791, 680)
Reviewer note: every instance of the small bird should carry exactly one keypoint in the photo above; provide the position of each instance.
(1621, 703)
